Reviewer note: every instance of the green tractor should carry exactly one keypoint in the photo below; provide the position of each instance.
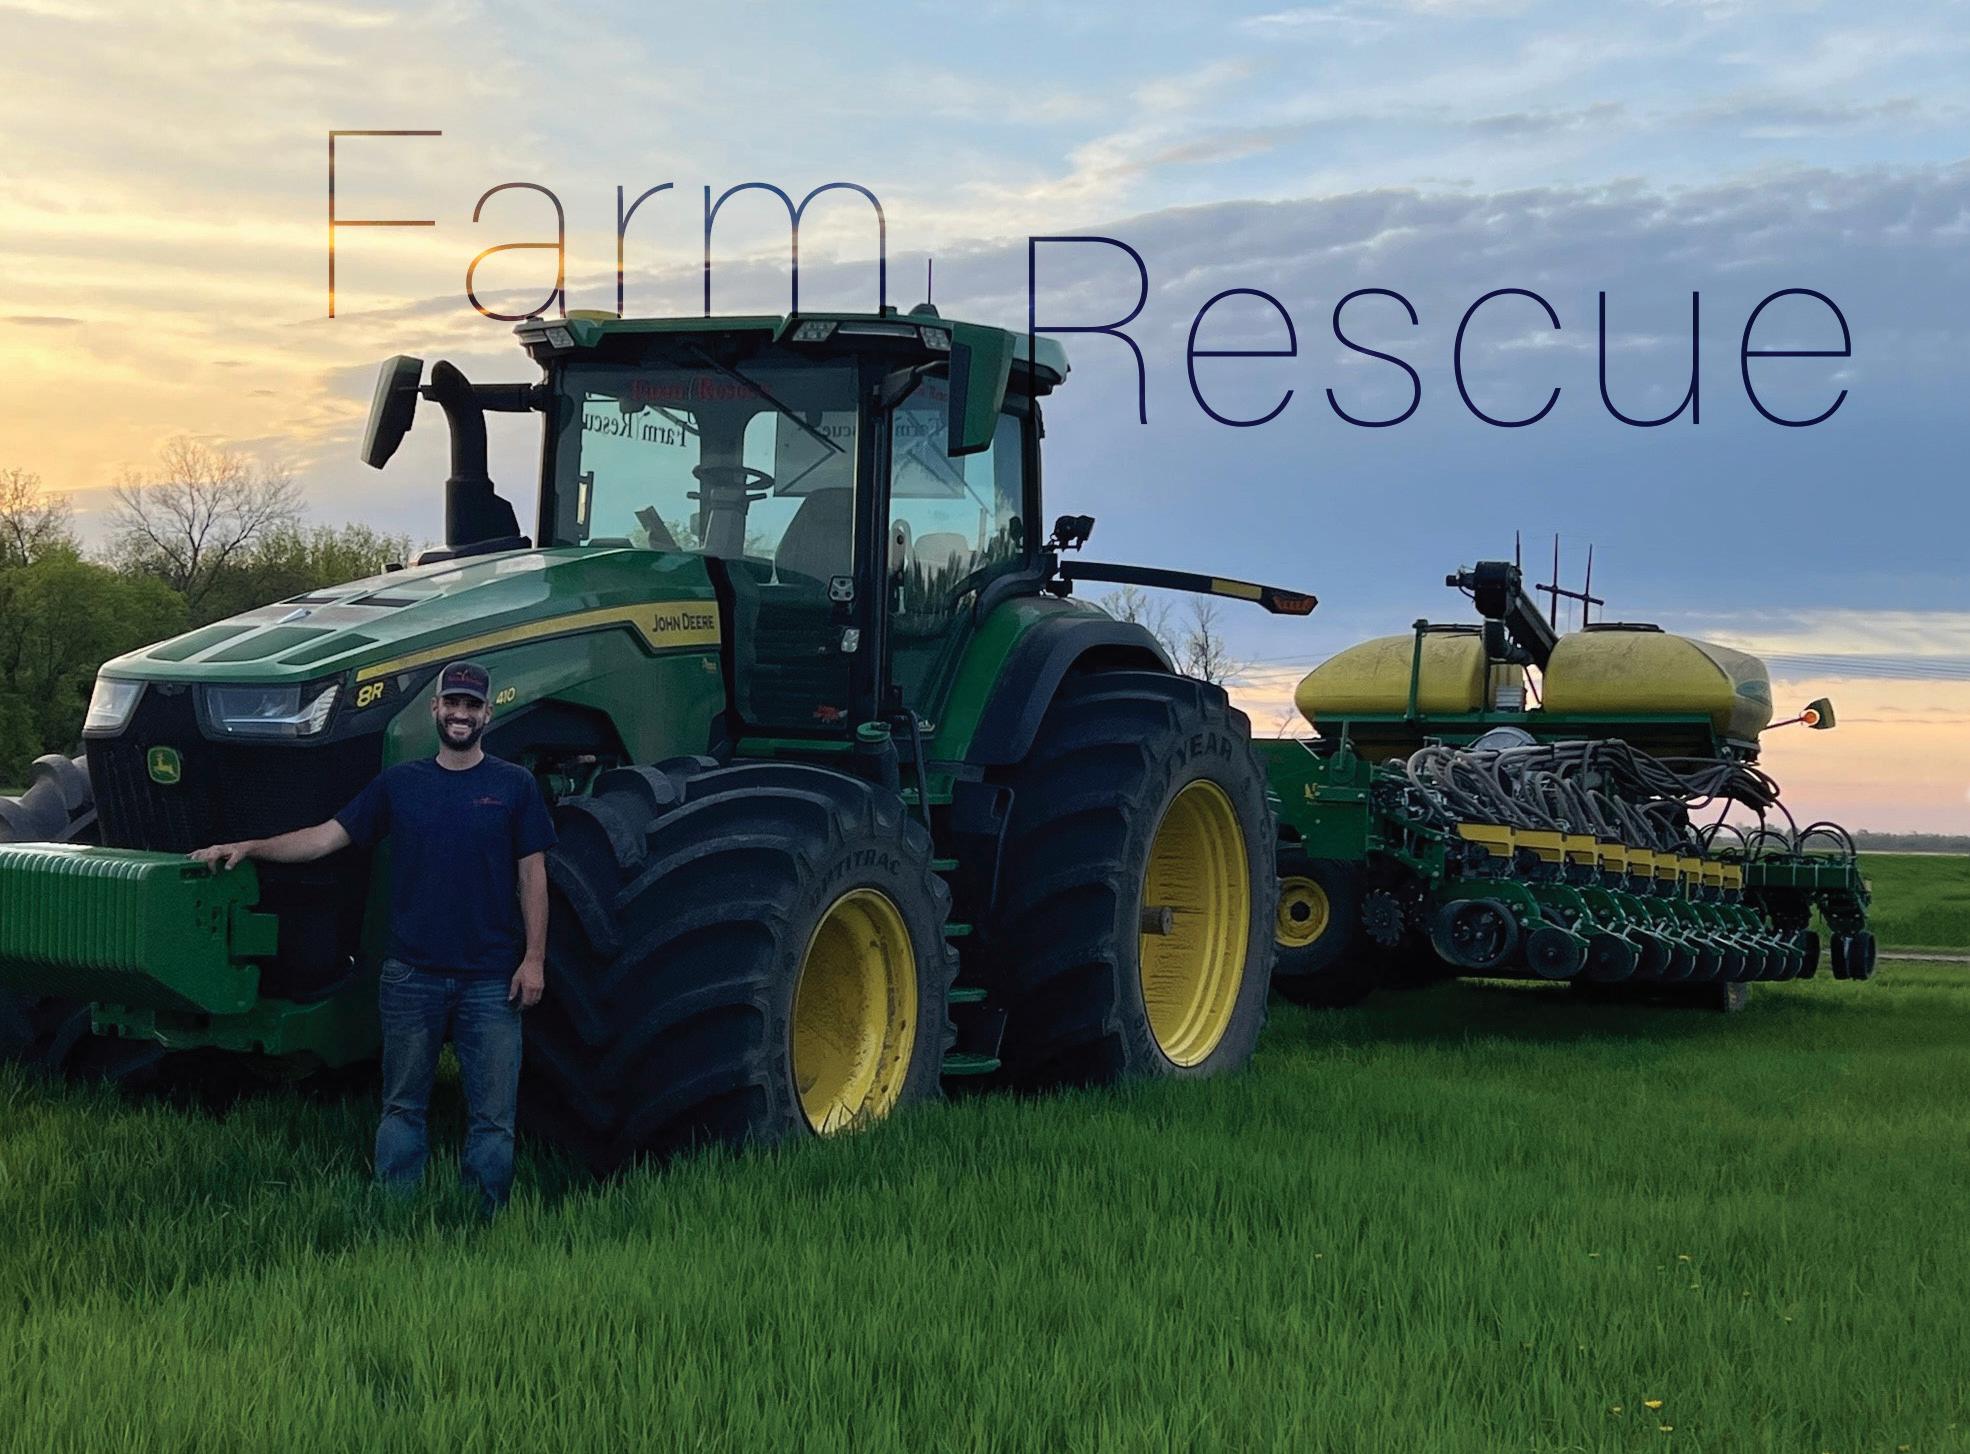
(852, 796)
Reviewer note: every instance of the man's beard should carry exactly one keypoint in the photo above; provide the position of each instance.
(478, 730)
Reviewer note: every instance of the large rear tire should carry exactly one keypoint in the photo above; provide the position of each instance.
(735, 956)
(1133, 929)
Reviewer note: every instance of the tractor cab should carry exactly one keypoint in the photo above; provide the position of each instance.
(851, 482)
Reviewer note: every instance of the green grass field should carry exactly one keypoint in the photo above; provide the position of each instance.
(1475, 1218)
(1921, 900)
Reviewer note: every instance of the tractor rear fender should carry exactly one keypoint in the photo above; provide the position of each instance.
(1065, 640)
(1043, 657)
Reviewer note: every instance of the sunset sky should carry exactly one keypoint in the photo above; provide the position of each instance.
(163, 270)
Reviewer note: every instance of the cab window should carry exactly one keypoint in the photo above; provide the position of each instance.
(954, 525)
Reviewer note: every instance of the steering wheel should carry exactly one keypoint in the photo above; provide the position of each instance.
(750, 479)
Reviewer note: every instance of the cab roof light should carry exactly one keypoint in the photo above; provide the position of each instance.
(881, 330)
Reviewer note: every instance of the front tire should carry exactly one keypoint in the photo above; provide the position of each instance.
(736, 956)
(1133, 929)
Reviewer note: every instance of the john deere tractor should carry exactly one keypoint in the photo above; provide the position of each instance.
(852, 796)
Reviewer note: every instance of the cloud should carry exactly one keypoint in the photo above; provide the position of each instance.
(32, 320)
(1168, 126)
(1314, 22)
(1898, 640)
(1866, 666)
(1811, 59)
(1539, 123)
(1372, 17)
(1227, 145)
(1778, 115)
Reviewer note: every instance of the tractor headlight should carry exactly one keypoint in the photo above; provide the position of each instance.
(270, 711)
(110, 706)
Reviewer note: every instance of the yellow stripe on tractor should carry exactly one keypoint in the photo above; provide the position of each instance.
(663, 626)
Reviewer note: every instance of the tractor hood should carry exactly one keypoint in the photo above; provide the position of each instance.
(405, 620)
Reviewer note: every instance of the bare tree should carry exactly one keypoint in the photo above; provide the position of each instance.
(1288, 724)
(199, 510)
(1205, 652)
(33, 523)
(1133, 603)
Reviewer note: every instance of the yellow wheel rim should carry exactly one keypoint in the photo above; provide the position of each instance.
(854, 1013)
(1198, 873)
(1303, 913)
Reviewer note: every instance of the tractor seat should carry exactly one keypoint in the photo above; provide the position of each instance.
(942, 548)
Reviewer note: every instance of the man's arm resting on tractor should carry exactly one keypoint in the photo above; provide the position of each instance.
(531, 977)
(299, 846)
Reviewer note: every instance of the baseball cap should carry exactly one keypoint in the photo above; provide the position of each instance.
(465, 679)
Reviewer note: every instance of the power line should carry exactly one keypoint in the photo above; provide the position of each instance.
(1886, 666)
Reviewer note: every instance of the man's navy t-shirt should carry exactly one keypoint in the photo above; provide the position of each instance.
(456, 839)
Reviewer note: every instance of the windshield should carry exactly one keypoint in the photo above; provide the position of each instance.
(758, 464)
(952, 517)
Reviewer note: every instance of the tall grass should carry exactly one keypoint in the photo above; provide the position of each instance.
(1475, 1218)
(1921, 900)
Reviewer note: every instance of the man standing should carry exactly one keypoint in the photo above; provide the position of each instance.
(468, 927)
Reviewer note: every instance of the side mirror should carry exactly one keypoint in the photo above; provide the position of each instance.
(1818, 714)
(981, 364)
(391, 409)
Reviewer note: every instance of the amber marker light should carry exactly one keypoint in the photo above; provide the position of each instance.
(1818, 714)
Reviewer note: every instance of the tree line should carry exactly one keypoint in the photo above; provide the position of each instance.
(204, 533)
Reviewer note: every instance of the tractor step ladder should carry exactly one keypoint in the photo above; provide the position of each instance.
(958, 1063)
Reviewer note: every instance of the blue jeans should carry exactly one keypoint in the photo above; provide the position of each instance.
(417, 1007)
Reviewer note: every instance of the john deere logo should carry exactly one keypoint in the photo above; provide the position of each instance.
(164, 765)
